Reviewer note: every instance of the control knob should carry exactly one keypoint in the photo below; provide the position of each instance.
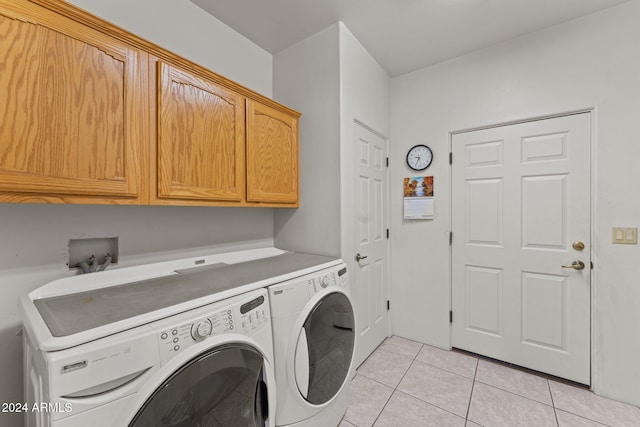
(325, 282)
(201, 330)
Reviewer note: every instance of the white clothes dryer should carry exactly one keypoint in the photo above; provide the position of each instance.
(313, 326)
(211, 366)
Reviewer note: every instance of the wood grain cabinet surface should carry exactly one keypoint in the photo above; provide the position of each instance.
(71, 111)
(90, 113)
(272, 155)
(200, 138)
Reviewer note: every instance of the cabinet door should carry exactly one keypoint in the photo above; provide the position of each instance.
(200, 138)
(272, 155)
(71, 121)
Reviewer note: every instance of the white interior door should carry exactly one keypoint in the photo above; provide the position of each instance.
(520, 199)
(370, 275)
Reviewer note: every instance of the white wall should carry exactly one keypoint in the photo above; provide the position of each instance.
(364, 96)
(590, 62)
(183, 28)
(34, 251)
(307, 78)
(332, 80)
(33, 238)
(364, 88)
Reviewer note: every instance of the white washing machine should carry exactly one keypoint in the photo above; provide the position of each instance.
(211, 366)
(313, 326)
(182, 343)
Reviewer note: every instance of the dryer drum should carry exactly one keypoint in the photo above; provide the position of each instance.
(222, 387)
(330, 340)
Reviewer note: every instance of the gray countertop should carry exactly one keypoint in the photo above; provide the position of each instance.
(69, 314)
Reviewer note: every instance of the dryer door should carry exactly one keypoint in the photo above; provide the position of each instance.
(224, 386)
(325, 349)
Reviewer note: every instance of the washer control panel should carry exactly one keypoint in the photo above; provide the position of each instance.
(219, 323)
(201, 330)
(239, 315)
(338, 278)
(253, 315)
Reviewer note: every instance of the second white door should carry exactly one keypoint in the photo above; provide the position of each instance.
(521, 233)
(370, 275)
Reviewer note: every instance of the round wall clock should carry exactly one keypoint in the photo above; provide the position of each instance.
(419, 157)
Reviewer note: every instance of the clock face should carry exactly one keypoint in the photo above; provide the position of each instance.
(419, 157)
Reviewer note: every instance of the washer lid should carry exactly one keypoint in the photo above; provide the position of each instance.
(69, 314)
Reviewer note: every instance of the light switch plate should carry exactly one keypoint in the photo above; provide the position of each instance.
(624, 236)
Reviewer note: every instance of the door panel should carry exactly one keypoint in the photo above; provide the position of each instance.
(200, 138)
(370, 275)
(483, 303)
(484, 212)
(544, 212)
(71, 116)
(545, 328)
(520, 198)
(272, 155)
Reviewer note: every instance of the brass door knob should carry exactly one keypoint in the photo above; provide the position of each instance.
(578, 246)
(576, 265)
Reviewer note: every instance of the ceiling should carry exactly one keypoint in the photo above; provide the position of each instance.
(403, 35)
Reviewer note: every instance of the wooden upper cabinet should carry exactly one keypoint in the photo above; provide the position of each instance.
(90, 113)
(73, 113)
(200, 138)
(272, 155)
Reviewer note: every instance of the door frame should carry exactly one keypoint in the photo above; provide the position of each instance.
(348, 245)
(593, 110)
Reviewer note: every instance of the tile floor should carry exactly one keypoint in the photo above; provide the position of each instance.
(404, 384)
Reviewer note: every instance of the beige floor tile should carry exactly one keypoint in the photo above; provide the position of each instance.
(385, 367)
(435, 387)
(451, 361)
(402, 346)
(408, 411)
(566, 419)
(497, 408)
(443, 389)
(584, 403)
(368, 397)
(515, 381)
